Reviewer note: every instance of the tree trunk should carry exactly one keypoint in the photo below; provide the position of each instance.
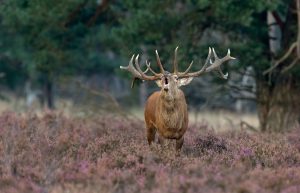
(278, 102)
(278, 105)
(48, 90)
(274, 32)
(143, 94)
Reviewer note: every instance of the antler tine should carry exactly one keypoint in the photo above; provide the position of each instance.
(159, 63)
(215, 54)
(137, 65)
(175, 64)
(151, 70)
(188, 69)
(146, 71)
(208, 59)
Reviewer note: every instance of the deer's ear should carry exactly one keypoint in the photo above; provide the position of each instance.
(184, 81)
(158, 82)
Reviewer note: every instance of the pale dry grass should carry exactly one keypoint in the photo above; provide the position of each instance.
(5, 106)
(218, 120)
(19, 105)
(224, 120)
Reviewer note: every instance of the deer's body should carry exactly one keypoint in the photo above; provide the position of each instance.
(166, 110)
(167, 116)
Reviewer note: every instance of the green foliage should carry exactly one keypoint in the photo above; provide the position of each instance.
(53, 38)
(164, 24)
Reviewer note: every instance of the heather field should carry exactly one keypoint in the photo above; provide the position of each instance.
(55, 153)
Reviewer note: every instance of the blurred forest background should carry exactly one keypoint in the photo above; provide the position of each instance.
(66, 54)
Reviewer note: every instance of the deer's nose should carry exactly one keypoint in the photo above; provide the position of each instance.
(166, 88)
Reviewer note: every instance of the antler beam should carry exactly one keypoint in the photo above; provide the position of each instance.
(216, 65)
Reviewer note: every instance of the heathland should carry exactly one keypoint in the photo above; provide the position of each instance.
(55, 153)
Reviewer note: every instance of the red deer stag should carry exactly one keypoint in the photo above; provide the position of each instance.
(166, 110)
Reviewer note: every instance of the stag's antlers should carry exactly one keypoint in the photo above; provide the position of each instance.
(216, 65)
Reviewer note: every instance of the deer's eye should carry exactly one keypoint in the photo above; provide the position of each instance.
(166, 80)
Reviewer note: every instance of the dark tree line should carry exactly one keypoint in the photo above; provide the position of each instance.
(43, 40)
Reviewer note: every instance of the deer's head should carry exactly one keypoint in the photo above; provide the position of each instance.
(170, 83)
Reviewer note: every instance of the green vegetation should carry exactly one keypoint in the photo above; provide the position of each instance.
(42, 41)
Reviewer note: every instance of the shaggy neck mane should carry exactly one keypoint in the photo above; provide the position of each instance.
(170, 101)
(171, 109)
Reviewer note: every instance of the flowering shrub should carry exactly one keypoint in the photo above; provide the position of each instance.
(54, 153)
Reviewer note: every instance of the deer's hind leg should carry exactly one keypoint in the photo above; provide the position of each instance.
(151, 131)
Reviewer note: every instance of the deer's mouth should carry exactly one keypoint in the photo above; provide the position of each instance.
(166, 80)
(166, 84)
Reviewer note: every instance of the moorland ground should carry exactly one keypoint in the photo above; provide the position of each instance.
(55, 153)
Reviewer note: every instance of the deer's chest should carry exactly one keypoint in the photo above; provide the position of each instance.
(173, 124)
